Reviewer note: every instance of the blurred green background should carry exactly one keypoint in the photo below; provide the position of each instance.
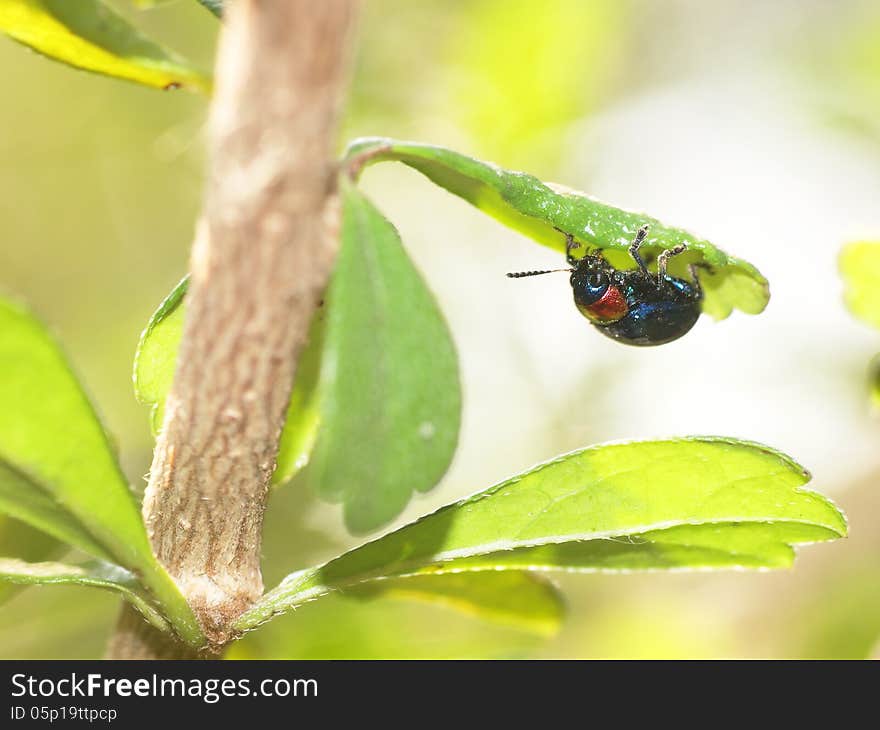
(752, 123)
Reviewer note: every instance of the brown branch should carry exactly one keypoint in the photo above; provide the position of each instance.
(261, 259)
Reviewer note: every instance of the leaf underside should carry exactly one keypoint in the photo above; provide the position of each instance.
(24, 499)
(96, 574)
(537, 209)
(520, 599)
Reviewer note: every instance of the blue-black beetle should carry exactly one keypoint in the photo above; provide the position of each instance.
(632, 306)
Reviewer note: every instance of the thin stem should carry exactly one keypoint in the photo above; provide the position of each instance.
(260, 262)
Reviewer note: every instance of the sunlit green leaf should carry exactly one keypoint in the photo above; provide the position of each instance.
(96, 573)
(514, 598)
(50, 433)
(536, 209)
(376, 402)
(673, 504)
(90, 35)
(860, 268)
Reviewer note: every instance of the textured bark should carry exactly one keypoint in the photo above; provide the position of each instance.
(260, 262)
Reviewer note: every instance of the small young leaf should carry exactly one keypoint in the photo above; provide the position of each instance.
(156, 355)
(537, 209)
(90, 35)
(304, 412)
(682, 503)
(96, 573)
(50, 433)
(514, 598)
(376, 402)
(860, 268)
(388, 390)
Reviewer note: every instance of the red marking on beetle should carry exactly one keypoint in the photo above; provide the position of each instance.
(610, 307)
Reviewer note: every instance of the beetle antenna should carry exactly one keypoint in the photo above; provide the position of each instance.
(521, 274)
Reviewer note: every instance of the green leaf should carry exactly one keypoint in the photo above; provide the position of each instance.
(96, 573)
(536, 209)
(860, 268)
(513, 598)
(25, 500)
(50, 434)
(699, 502)
(303, 419)
(388, 390)
(156, 355)
(376, 402)
(90, 35)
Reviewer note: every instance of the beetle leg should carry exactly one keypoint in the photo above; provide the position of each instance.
(692, 270)
(570, 245)
(634, 249)
(664, 257)
(695, 280)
